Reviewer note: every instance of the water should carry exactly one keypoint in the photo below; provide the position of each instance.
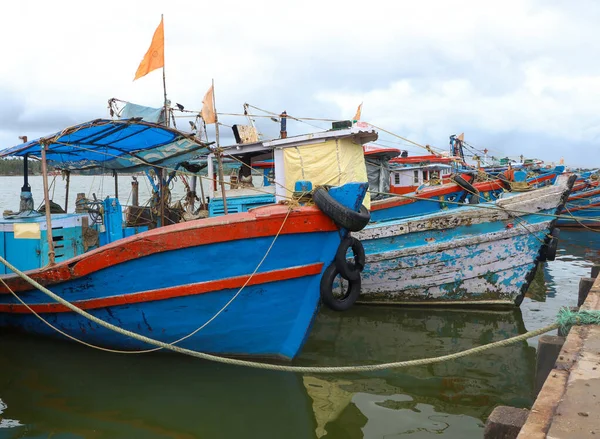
(50, 388)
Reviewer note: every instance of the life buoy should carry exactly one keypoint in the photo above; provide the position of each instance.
(350, 270)
(332, 301)
(340, 214)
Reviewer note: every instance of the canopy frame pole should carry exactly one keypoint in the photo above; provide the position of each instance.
(68, 177)
(116, 176)
(218, 152)
(51, 254)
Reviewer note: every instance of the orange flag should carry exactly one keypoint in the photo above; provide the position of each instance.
(461, 137)
(208, 107)
(358, 111)
(155, 56)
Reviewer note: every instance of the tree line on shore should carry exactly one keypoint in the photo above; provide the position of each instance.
(14, 166)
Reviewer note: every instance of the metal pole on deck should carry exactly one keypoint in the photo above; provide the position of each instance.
(68, 175)
(219, 155)
(116, 184)
(47, 204)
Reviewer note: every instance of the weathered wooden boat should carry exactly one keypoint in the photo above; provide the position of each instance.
(583, 207)
(487, 252)
(202, 284)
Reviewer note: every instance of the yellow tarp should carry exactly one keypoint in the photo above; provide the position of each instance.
(334, 162)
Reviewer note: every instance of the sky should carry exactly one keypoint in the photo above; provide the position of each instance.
(517, 77)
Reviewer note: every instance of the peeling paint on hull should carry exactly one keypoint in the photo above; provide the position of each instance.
(470, 254)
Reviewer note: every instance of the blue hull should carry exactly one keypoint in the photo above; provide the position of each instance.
(167, 295)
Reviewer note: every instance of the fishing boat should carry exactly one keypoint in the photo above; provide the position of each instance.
(244, 284)
(476, 254)
(583, 207)
(428, 184)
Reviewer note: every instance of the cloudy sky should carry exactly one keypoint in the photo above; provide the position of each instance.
(518, 77)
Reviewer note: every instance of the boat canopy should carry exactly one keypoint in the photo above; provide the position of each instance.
(103, 145)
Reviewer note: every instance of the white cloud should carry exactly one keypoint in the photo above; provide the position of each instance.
(519, 76)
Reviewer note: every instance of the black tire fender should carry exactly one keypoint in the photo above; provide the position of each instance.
(465, 184)
(340, 214)
(350, 270)
(326, 288)
(553, 244)
(504, 181)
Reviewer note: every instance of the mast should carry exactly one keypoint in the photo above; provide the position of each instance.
(219, 155)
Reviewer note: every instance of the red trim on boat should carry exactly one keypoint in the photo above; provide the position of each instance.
(575, 209)
(172, 292)
(585, 195)
(256, 223)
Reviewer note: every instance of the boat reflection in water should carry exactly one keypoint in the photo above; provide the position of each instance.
(452, 398)
(71, 391)
(62, 390)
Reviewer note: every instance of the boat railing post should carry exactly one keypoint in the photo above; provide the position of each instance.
(49, 236)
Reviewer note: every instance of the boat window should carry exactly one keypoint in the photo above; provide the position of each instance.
(396, 178)
(416, 177)
(425, 176)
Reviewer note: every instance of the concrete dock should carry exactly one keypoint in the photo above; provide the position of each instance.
(568, 404)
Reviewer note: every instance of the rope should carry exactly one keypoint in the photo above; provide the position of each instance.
(573, 217)
(565, 319)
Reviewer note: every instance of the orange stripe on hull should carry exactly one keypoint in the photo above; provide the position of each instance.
(172, 292)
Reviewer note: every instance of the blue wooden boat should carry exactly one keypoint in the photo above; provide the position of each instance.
(583, 207)
(487, 252)
(168, 282)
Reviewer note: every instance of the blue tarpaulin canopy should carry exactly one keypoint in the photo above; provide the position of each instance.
(112, 145)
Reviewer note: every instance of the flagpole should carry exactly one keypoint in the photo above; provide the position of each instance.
(167, 117)
(219, 157)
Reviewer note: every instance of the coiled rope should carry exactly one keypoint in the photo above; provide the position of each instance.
(566, 318)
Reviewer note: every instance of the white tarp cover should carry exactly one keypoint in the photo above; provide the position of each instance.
(333, 162)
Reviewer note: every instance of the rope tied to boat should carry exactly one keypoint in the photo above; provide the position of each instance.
(578, 318)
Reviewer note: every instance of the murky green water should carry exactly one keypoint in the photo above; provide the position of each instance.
(61, 390)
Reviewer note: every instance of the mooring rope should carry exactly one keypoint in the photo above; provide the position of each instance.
(566, 318)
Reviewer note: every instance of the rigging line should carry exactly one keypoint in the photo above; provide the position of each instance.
(478, 206)
(580, 223)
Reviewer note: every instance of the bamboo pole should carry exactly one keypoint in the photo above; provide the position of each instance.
(219, 155)
(51, 253)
